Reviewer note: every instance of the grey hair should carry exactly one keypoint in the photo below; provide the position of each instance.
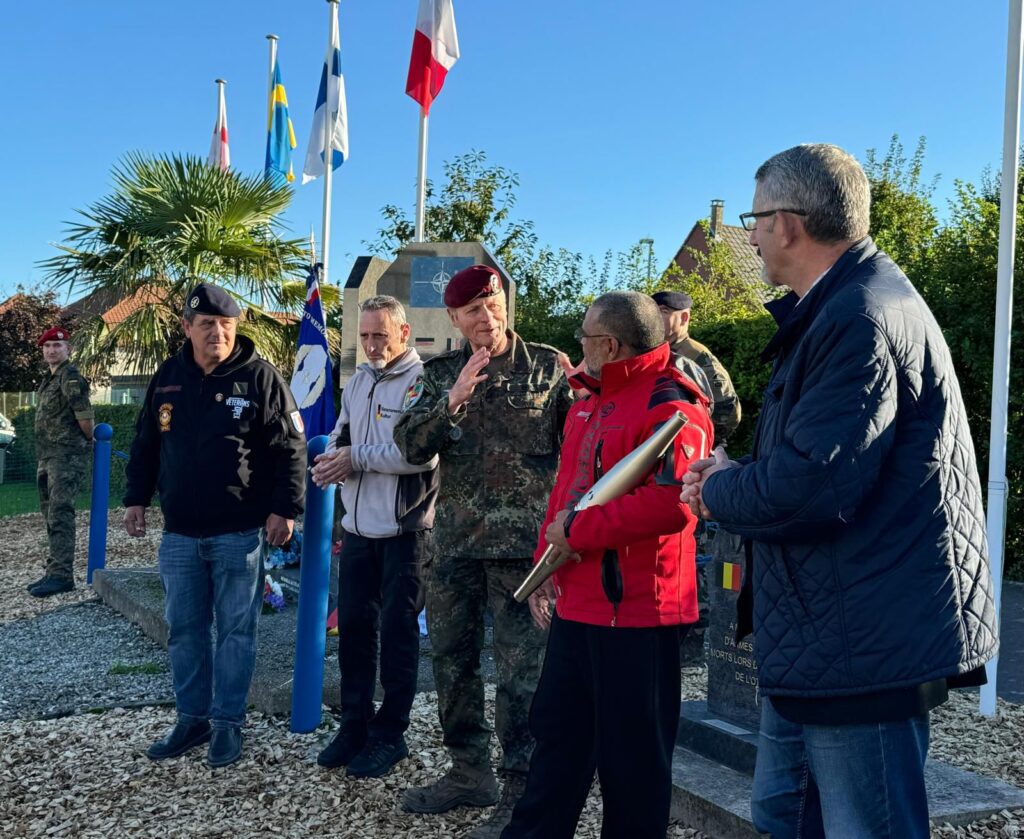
(385, 303)
(825, 182)
(632, 318)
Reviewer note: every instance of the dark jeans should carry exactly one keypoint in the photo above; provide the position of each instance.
(608, 699)
(380, 594)
(861, 781)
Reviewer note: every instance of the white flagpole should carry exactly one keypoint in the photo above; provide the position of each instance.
(325, 238)
(421, 178)
(270, 73)
(997, 489)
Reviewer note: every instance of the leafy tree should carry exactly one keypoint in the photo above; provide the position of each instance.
(718, 291)
(474, 205)
(26, 318)
(171, 222)
(903, 220)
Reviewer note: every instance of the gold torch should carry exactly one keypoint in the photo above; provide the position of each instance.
(626, 475)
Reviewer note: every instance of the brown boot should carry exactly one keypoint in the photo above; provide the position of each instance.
(454, 789)
(512, 791)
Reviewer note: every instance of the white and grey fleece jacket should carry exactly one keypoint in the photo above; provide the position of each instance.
(385, 495)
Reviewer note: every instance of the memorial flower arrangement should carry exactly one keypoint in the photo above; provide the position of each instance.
(272, 594)
(288, 554)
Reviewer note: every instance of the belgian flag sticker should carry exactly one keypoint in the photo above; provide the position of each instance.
(731, 573)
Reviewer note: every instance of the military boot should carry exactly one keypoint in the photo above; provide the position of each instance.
(511, 792)
(456, 788)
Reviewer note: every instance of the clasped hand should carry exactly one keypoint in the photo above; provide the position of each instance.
(332, 467)
(697, 475)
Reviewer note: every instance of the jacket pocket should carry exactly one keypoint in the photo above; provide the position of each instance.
(530, 428)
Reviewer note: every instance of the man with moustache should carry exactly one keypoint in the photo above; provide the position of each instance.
(221, 440)
(389, 511)
(493, 413)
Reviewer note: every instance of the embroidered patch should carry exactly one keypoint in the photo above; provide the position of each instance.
(167, 389)
(296, 419)
(239, 388)
(412, 395)
(164, 415)
(237, 405)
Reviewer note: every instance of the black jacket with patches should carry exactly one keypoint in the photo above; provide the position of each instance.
(223, 450)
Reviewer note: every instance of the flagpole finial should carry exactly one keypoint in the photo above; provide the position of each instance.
(220, 81)
(271, 37)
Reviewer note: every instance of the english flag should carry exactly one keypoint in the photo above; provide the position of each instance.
(435, 49)
(219, 155)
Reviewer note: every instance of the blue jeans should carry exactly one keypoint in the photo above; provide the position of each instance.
(840, 781)
(213, 576)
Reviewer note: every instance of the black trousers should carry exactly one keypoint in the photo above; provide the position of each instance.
(380, 594)
(608, 699)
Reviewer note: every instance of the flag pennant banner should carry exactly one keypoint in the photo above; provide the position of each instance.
(330, 108)
(435, 49)
(280, 133)
(731, 576)
(312, 381)
(219, 155)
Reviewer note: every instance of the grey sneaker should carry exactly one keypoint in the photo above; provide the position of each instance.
(454, 789)
(511, 792)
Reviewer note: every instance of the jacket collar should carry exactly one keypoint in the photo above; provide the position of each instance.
(793, 320)
(406, 360)
(618, 375)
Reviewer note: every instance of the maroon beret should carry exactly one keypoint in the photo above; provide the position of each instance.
(54, 333)
(469, 284)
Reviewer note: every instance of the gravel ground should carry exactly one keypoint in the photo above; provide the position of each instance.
(76, 658)
(86, 775)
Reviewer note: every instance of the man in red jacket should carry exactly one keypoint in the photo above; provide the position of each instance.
(608, 696)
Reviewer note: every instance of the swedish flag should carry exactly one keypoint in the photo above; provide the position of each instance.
(280, 133)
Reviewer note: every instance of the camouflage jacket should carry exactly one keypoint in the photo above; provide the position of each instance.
(63, 399)
(497, 456)
(725, 410)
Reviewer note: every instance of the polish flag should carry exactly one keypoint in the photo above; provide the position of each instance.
(219, 155)
(435, 49)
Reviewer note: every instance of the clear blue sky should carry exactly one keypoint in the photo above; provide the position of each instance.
(622, 119)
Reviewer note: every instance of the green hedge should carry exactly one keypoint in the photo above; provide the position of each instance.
(21, 459)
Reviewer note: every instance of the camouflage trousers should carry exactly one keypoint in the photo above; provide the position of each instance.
(458, 590)
(59, 480)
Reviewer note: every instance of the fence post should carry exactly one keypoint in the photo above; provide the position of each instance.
(100, 499)
(314, 580)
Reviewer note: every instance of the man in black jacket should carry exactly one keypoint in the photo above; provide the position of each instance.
(221, 440)
(867, 583)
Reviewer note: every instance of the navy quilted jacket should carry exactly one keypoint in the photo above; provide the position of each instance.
(862, 502)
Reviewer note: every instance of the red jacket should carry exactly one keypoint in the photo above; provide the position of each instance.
(649, 528)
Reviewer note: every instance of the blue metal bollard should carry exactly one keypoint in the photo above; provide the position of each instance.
(100, 499)
(314, 580)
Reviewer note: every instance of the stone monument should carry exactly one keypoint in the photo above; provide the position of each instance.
(417, 278)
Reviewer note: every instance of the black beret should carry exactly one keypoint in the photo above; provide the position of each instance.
(207, 299)
(677, 300)
(469, 284)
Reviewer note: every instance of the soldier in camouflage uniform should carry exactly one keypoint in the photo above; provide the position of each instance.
(494, 412)
(675, 312)
(64, 421)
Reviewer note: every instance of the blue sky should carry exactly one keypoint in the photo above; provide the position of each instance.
(623, 120)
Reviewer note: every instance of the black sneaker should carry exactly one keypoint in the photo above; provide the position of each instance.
(51, 585)
(225, 746)
(347, 743)
(180, 739)
(377, 758)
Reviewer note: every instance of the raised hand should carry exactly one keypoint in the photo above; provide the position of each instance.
(469, 378)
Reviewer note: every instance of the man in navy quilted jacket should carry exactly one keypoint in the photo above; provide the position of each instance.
(867, 583)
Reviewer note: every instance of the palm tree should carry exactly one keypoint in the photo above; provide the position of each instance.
(170, 223)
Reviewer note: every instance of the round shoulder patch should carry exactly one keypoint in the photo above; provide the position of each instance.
(413, 394)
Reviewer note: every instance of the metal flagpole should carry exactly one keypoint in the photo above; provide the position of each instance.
(997, 489)
(270, 116)
(421, 178)
(329, 119)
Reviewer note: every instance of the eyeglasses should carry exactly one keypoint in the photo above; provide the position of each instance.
(579, 335)
(749, 220)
